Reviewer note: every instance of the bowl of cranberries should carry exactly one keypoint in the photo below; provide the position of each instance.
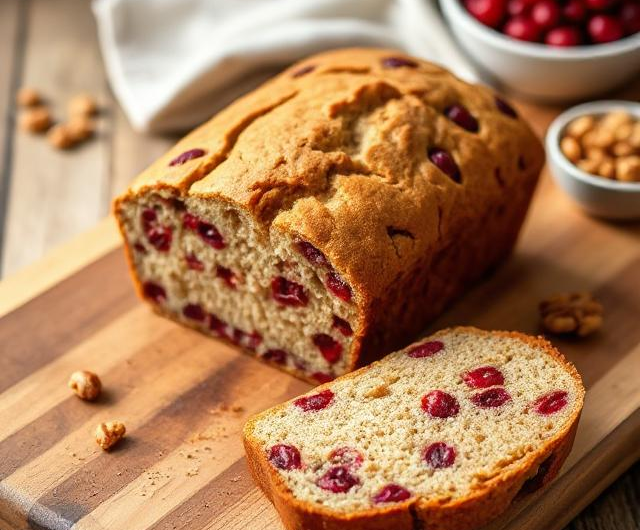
(550, 50)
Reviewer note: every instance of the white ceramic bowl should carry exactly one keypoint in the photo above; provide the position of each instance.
(543, 72)
(599, 196)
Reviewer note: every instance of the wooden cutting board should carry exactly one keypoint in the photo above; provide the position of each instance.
(185, 397)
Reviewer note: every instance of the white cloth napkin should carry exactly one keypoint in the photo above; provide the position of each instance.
(174, 63)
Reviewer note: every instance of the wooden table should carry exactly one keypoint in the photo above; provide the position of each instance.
(48, 196)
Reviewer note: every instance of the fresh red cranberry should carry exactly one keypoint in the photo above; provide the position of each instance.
(444, 161)
(346, 456)
(303, 70)
(522, 28)
(227, 275)
(630, 17)
(139, 247)
(439, 404)
(545, 13)
(462, 117)
(505, 108)
(342, 326)
(149, 217)
(426, 349)
(391, 493)
(551, 403)
(193, 262)
(330, 349)
(483, 377)
(194, 312)
(209, 233)
(574, 11)
(519, 7)
(398, 62)
(439, 455)
(321, 377)
(338, 286)
(160, 238)
(489, 12)
(218, 326)
(492, 398)
(315, 402)
(312, 254)
(285, 457)
(153, 291)
(288, 293)
(563, 36)
(605, 28)
(190, 221)
(338, 480)
(186, 156)
(276, 356)
(599, 5)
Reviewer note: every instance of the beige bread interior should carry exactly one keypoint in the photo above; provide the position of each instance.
(377, 411)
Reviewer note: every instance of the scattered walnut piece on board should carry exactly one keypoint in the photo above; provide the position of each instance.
(571, 313)
(85, 384)
(110, 433)
(83, 105)
(36, 120)
(61, 137)
(81, 128)
(28, 97)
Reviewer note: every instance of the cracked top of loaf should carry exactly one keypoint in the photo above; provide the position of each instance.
(342, 150)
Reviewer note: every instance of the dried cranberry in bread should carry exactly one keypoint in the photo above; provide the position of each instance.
(441, 435)
(333, 211)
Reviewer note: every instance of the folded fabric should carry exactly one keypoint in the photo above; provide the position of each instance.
(174, 63)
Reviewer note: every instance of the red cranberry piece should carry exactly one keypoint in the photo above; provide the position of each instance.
(551, 403)
(483, 377)
(444, 161)
(149, 216)
(285, 457)
(186, 156)
(315, 402)
(545, 13)
(338, 480)
(426, 349)
(227, 275)
(276, 356)
(218, 326)
(522, 28)
(312, 254)
(563, 36)
(505, 108)
(398, 62)
(598, 5)
(519, 7)
(391, 493)
(249, 340)
(194, 312)
(492, 398)
(342, 326)
(439, 404)
(574, 11)
(193, 262)
(288, 293)
(630, 17)
(338, 287)
(153, 291)
(604, 28)
(439, 455)
(160, 238)
(489, 12)
(346, 456)
(303, 70)
(139, 247)
(190, 221)
(209, 233)
(330, 349)
(321, 377)
(462, 117)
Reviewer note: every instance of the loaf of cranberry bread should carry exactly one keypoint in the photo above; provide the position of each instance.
(333, 211)
(442, 435)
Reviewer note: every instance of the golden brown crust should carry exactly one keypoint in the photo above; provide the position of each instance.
(472, 511)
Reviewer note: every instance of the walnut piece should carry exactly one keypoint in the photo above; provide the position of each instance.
(36, 120)
(85, 384)
(110, 433)
(571, 313)
(28, 97)
(83, 105)
(61, 137)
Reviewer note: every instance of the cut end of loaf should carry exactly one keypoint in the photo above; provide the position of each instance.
(207, 264)
(436, 424)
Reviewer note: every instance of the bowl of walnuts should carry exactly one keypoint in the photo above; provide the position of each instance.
(594, 155)
(550, 50)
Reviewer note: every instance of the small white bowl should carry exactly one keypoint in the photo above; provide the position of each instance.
(539, 71)
(599, 196)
